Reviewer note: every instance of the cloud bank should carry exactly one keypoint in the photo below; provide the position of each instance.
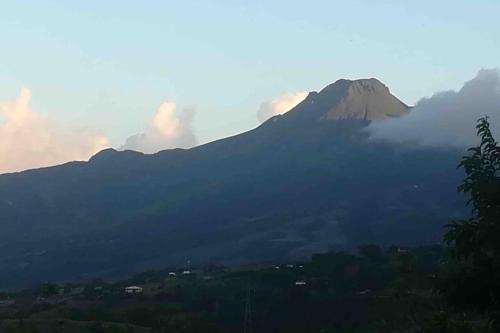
(169, 128)
(280, 105)
(29, 140)
(448, 118)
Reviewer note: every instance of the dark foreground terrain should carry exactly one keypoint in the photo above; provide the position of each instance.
(374, 290)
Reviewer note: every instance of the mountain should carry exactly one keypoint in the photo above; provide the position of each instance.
(303, 182)
(362, 99)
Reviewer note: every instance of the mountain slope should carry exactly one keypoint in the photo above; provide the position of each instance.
(302, 182)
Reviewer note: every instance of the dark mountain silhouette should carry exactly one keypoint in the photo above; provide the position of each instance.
(303, 182)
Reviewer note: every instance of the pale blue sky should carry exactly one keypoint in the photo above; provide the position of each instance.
(108, 64)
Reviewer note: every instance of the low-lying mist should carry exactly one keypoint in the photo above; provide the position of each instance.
(447, 119)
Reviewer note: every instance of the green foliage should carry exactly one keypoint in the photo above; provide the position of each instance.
(404, 266)
(443, 323)
(372, 252)
(471, 278)
(49, 289)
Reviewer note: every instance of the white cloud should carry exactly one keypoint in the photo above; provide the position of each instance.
(447, 118)
(280, 105)
(169, 128)
(29, 140)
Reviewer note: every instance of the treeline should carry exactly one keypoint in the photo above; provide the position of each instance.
(375, 288)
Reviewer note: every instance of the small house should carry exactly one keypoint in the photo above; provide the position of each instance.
(7, 302)
(133, 290)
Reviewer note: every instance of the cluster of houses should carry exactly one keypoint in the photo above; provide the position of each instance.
(65, 296)
(7, 302)
(133, 290)
(290, 266)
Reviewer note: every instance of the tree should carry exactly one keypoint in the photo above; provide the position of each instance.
(471, 276)
(371, 252)
(49, 289)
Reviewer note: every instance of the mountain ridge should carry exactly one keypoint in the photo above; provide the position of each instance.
(295, 185)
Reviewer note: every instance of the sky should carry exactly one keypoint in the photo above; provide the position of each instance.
(139, 74)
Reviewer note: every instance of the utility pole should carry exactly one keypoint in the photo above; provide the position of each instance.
(247, 324)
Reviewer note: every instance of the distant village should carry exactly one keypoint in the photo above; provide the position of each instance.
(90, 293)
(262, 296)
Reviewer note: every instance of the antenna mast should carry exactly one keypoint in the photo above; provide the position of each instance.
(247, 324)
